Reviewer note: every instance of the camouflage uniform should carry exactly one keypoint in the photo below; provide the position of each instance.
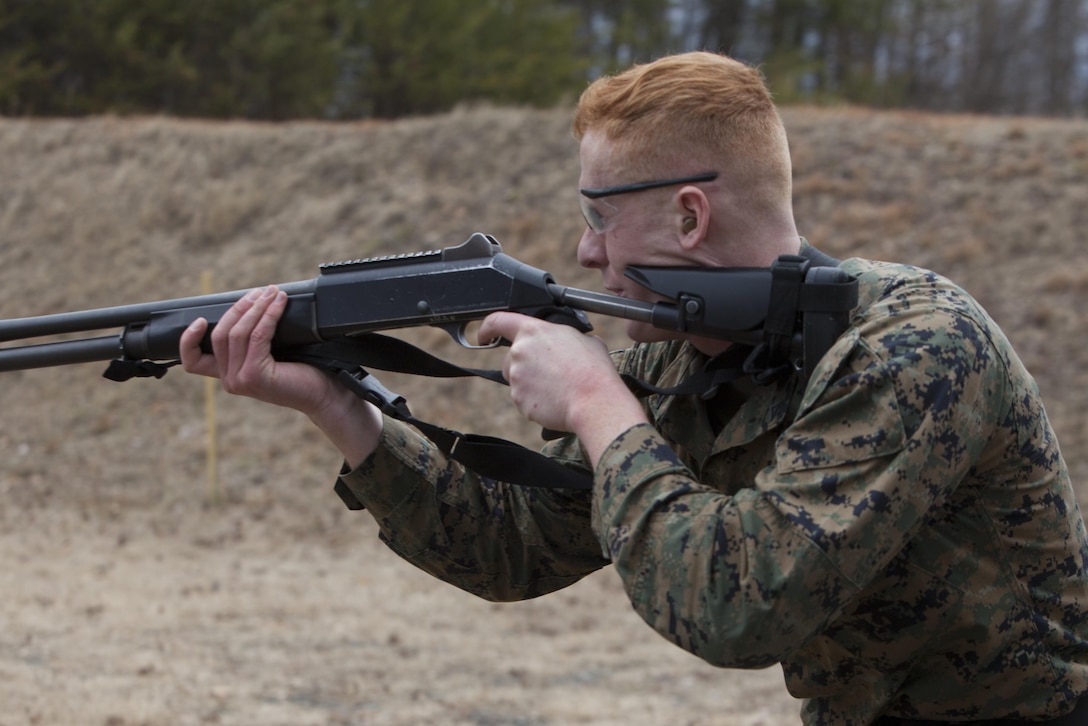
(901, 535)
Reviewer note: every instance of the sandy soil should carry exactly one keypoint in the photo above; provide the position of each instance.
(222, 622)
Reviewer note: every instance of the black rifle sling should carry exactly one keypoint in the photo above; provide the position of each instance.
(347, 358)
(717, 372)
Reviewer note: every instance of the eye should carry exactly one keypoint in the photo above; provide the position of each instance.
(592, 216)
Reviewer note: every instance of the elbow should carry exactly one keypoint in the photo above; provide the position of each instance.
(734, 616)
(738, 633)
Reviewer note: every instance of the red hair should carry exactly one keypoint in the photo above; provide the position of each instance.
(689, 113)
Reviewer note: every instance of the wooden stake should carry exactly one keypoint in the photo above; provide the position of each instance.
(210, 432)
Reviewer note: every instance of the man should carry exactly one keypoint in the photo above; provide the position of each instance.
(899, 531)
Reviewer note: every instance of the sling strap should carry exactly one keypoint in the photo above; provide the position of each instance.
(346, 360)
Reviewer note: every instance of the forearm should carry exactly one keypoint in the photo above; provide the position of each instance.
(600, 419)
(495, 540)
(351, 424)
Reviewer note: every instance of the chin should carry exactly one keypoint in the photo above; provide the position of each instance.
(646, 333)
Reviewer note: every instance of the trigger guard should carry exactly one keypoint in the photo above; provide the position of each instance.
(457, 332)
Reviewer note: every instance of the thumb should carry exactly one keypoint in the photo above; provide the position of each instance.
(193, 358)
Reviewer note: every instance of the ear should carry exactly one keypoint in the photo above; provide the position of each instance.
(694, 217)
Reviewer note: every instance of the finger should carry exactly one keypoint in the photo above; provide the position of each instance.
(220, 335)
(268, 310)
(501, 325)
(265, 316)
(236, 338)
(193, 357)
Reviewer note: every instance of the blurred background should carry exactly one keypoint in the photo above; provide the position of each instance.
(351, 59)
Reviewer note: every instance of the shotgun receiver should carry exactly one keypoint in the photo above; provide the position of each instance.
(449, 288)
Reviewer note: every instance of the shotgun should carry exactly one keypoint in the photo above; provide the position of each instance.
(447, 288)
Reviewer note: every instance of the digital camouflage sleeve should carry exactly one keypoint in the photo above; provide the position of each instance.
(901, 535)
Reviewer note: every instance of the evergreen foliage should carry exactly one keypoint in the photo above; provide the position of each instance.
(342, 59)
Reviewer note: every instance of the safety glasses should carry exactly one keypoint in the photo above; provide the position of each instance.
(593, 216)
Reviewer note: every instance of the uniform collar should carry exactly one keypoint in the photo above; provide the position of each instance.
(749, 410)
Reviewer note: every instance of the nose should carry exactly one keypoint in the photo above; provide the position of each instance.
(591, 250)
